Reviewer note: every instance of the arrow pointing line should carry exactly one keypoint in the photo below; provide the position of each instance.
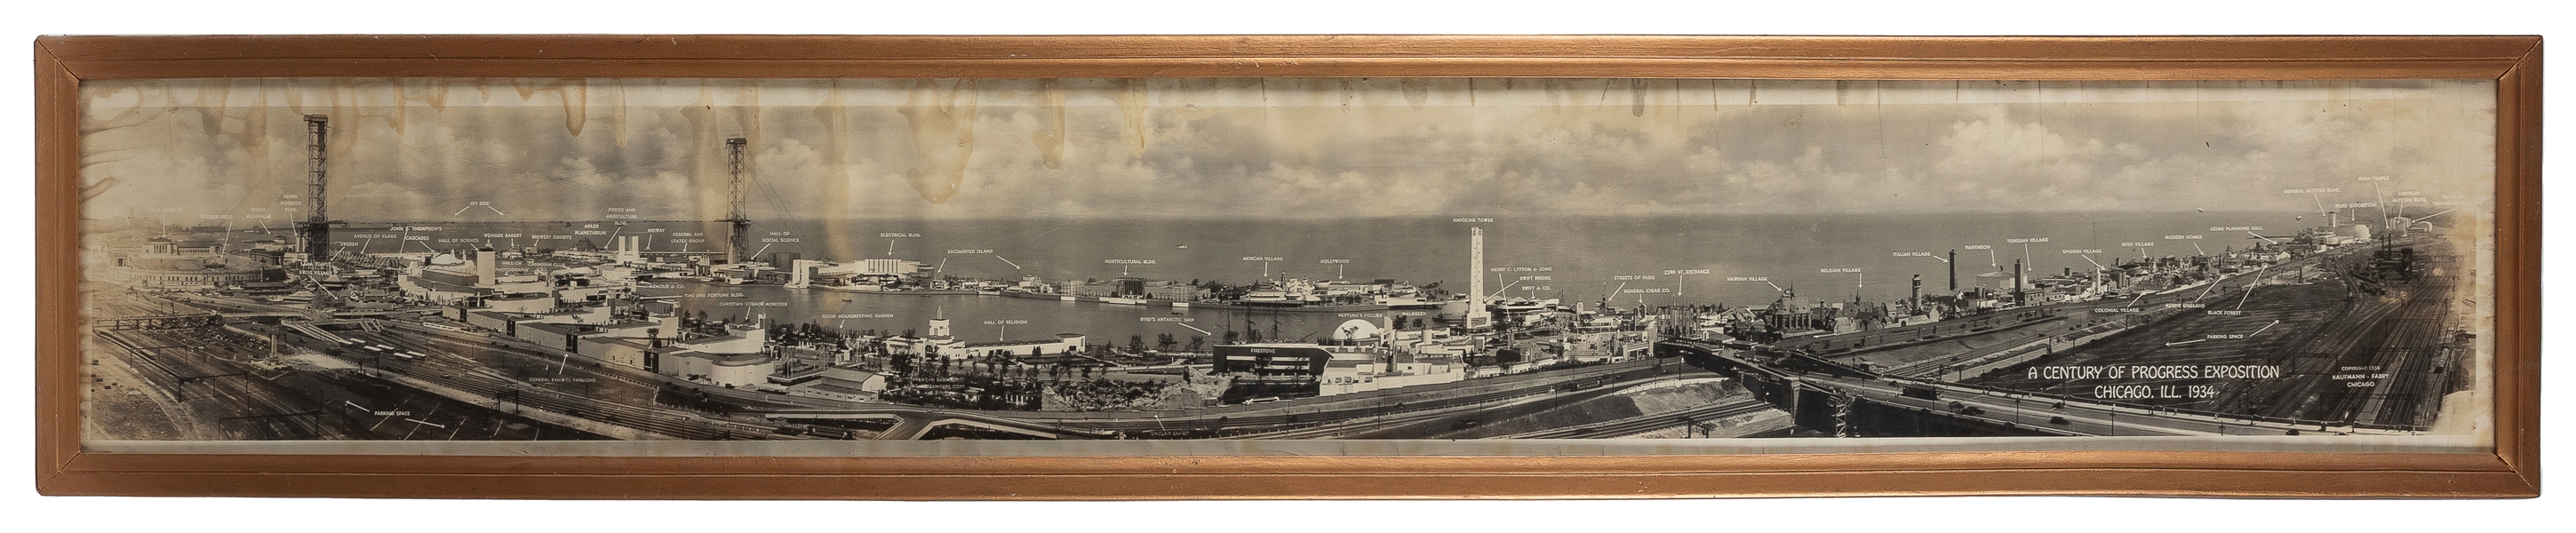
(1014, 266)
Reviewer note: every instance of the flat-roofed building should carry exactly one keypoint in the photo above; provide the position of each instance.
(628, 353)
(528, 304)
(493, 320)
(741, 339)
(557, 336)
(1297, 369)
(736, 370)
(1061, 344)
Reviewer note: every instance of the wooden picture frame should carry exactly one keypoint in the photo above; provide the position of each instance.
(2511, 470)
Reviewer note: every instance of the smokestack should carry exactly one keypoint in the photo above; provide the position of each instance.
(1954, 270)
(487, 266)
(1917, 299)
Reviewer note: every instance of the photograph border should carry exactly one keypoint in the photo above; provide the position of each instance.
(2512, 470)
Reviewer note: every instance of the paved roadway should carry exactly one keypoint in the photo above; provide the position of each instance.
(1317, 410)
(1611, 429)
(1441, 419)
(574, 389)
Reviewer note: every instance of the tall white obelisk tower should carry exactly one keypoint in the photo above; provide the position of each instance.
(1478, 319)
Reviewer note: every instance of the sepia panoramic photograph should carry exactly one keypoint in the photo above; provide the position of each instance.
(273, 263)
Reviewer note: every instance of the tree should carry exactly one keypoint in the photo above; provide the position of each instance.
(1136, 343)
(1165, 342)
(1231, 337)
(1086, 372)
(1195, 341)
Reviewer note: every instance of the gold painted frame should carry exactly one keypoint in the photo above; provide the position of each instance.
(2512, 470)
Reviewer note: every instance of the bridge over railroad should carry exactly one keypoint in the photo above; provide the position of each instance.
(205, 320)
(912, 423)
(1840, 400)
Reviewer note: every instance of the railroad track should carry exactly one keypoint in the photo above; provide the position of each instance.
(2414, 350)
(1332, 416)
(197, 372)
(442, 369)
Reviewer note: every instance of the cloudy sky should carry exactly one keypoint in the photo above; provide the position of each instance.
(423, 150)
